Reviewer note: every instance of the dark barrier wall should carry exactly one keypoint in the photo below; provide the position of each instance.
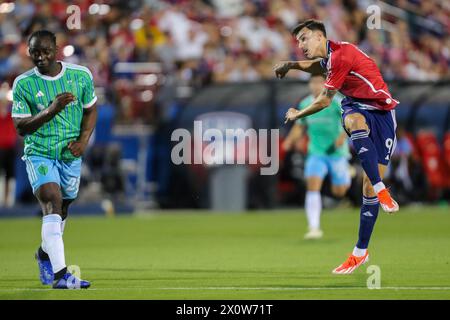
(423, 106)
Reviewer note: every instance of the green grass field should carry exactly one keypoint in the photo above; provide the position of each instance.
(234, 256)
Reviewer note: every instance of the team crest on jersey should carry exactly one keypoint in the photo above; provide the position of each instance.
(39, 94)
(82, 83)
(43, 169)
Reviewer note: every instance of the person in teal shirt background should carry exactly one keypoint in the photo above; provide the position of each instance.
(328, 153)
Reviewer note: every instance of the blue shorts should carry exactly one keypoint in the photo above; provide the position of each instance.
(43, 170)
(320, 166)
(382, 125)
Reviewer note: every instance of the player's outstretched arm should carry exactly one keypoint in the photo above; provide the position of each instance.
(322, 101)
(87, 127)
(29, 125)
(311, 66)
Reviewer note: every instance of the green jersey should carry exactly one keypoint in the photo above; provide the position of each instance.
(33, 92)
(324, 128)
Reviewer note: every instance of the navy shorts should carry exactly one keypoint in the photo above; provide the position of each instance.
(382, 125)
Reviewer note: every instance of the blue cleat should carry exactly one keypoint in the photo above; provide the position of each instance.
(45, 270)
(69, 281)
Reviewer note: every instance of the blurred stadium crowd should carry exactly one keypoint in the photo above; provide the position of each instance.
(227, 40)
(198, 42)
(145, 53)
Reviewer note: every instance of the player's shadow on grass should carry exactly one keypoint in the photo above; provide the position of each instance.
(120, 269)
(319, 242)
(289, 274)
(21, 279)
(223, 271)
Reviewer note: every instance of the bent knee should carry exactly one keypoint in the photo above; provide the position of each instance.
(314, 184)
(355, 121)
(339, 192)
(51, 204)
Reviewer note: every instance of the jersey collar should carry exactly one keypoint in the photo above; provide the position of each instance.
(328, 49)
(59, 75)
(324, 61)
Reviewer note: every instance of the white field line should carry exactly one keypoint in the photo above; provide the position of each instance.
(238, 288)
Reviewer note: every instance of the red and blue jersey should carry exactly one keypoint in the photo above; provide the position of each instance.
(356, 76)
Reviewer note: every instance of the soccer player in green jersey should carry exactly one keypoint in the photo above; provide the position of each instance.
(54, 110)
(327, 153)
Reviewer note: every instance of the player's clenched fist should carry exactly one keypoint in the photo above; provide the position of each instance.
(291, 115)
(281, 69)
(77, 148)
(61, 100)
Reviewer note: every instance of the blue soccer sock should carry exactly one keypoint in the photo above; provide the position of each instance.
(368, 217)
(367, 154)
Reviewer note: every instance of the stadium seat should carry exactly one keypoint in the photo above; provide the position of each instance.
(432, 159)
(415, 150)
(447, 151)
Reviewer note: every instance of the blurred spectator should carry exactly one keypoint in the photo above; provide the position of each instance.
(405, 171)
(8, 138)
(148, 55)
(112, 176)
(201, 41)
(401, 157)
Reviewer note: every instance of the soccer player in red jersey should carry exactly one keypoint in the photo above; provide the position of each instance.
(368, 117)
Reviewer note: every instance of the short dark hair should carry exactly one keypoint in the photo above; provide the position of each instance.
(43, 34)
(311, 24)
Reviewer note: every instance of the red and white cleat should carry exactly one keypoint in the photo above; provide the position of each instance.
(388, 204)
(351, 264)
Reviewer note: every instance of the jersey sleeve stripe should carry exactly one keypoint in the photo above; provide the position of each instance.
(90, 104)
(20, 115)
(330, 86)
(22, 76)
